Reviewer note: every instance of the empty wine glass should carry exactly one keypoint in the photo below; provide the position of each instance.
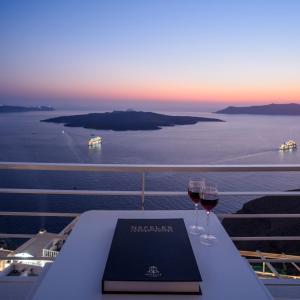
(195, 188)
(209, 199)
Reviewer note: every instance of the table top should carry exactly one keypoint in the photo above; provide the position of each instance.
(78, 269)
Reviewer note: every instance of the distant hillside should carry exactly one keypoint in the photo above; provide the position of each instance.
(11, 109)
(291, 109)
(127, 120)
(268, 226)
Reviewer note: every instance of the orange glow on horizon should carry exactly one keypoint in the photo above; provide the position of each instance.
(161, 93)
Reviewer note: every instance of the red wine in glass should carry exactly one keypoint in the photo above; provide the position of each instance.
(209, 202)
(209, 199)
(195, 196)
(194, 190)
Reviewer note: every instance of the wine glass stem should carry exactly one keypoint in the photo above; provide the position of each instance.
(207, 222)
(197, 214)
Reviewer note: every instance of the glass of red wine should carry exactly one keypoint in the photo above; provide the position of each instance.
(195, 188)
(209, 199)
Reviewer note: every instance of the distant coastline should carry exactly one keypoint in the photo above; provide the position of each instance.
(127, 120)
(12, 109)
(291, 109)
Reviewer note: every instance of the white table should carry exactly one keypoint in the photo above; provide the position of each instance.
(77, 271)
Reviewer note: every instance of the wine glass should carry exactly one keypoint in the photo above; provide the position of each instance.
(209, 199)
(195, 188)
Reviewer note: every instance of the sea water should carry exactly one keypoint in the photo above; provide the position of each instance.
(242, 139)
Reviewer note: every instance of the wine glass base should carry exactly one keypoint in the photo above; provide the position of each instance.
(207, 239)
(195, 230)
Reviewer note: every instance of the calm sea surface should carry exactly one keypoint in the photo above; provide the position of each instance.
(240, 140)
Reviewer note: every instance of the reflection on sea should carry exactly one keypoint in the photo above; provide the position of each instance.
(96, 147)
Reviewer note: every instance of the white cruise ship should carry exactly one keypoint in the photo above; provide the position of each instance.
(289, 145)
(95, 141)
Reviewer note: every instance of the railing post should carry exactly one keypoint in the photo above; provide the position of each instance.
(268, 264)
(143, 191)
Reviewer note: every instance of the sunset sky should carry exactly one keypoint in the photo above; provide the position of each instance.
(94, 51)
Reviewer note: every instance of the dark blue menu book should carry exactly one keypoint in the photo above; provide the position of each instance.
(151, 256)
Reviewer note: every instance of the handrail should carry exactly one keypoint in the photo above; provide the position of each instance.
(140, 168)
(137, 193)
(257, 216)
(234, 238)
(265, 238)
(16, 236)
(268, 255)
(74, 215)
(272, 260)
(25, 236)
(38, 214)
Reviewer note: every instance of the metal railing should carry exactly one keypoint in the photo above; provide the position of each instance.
(143, 170)
(49, 253)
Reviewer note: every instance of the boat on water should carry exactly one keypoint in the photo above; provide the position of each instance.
(289, 145)
(95, 141)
